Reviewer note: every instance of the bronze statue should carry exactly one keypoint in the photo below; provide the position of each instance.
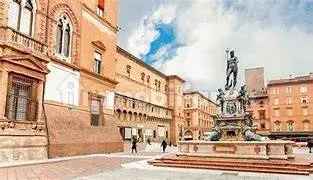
(244, 98)
(221, 99)
(232, 69)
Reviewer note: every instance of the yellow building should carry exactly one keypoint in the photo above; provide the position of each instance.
(144, 106)
(199, 112)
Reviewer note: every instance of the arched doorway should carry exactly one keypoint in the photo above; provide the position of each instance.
(188, 135)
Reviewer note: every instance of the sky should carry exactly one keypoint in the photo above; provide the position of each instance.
(189, 37)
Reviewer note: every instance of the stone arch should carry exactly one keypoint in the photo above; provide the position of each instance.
(118, 112)
(124, 115)
(130, 115)
(188, 135)
(55, 12)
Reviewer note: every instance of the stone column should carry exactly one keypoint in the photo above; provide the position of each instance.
(3, 92)
(4, 6)
(39, 100)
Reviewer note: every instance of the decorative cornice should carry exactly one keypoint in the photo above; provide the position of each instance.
(99, 45)
(139, 61)
(100, 77)
(15, 59)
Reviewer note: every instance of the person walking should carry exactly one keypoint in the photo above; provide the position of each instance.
(310, 145)
(134, 145)
(164, 145)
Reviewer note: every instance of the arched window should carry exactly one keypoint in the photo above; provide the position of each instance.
(290, 125)
(277, 125)
(59, 37)
(63, 37)
(14, 14)
(27, 18)
(306, 125)
(21, 15)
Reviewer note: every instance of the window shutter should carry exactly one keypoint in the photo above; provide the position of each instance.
(101, 4)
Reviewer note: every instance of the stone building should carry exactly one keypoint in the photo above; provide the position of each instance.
(147, 102)
(259, 107)
(255, 83)
(41, 45)
(199, 112)
(255, 80)
(282, 109)
(290, 102)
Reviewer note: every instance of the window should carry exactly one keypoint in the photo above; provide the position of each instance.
(262, 114)
(148, 79)
(21, 103)
(95, 109)
(290, 126)
(100, 8)
(304, 100)
(143, 76)
(306, 125)
(63, 37)
(305, 111)
(128, 68)
(262, 125)
(288, 90)
(303, 89)
(21, 16)
(276, 101)
(97, 62)
(289, 100)
(277, 126)
(275, 91)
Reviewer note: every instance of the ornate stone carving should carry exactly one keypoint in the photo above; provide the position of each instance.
(234, 123)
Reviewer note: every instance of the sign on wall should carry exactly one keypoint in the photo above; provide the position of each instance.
(128, 133)
(62, 85)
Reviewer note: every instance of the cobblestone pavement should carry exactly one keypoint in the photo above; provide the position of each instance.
(125, 166)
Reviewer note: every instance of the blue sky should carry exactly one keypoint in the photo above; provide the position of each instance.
(181, 36)
(167, 35)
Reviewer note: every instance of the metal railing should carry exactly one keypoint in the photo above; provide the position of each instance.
(21, 108)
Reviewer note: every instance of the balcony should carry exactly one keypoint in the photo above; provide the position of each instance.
(20, 41)
(136, 106)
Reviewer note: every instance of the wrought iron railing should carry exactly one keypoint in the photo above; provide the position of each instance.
(17, 39)
(21, 108)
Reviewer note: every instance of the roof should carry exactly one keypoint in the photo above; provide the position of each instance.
(175, 77)
(199, 93)
(142, 63)
(295, 80)
(139, 61)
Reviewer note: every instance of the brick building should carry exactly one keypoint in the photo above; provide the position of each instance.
(199, 112)
(255, 83)
(291, 106)
(146, 100)
(68, 89)
(41, 45)
(282, 109)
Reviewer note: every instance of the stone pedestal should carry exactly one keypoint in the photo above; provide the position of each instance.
(237, 149)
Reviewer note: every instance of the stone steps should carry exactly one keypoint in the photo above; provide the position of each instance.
(236, 165)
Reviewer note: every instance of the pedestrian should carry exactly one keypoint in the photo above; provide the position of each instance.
(134, 145)
(164, 144)
(310, 145)
(148, 141)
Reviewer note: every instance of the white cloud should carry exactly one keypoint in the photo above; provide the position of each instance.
(263, 33)
(145, 33)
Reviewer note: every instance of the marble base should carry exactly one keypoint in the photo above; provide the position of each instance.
(22, 148)
(237, 149)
